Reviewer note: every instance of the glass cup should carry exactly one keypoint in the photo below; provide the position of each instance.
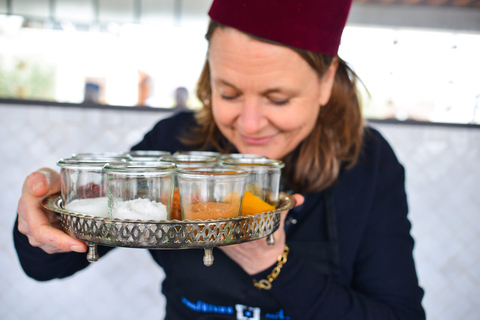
(186, 161)
(102, 156)
(147, 155)
(214, 154)
(83, 185)
(190, 161)
(211, 193)
(263, 183)
(140, 190)
(240, 156)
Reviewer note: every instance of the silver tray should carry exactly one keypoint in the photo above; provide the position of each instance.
(172, 234)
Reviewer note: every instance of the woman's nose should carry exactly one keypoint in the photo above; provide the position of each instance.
(251, 117)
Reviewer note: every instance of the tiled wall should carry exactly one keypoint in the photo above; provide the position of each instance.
(443, 182)
(443, 186)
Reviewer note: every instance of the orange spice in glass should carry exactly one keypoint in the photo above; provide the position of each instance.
(183, 161)
(211, 193)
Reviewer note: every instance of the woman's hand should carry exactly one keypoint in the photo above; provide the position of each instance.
(256, 256)
(40, 225)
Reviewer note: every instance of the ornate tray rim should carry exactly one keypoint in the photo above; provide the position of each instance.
(174, 234)
(54, 203)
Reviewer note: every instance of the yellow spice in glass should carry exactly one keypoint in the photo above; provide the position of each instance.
(253, 205)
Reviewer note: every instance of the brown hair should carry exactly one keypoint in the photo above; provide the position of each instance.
(333, 143)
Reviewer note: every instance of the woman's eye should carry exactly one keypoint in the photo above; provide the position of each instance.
(280, 102)
(227, 97)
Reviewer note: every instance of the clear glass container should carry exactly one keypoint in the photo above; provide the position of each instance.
(214, 154)
(83, 185)
(140, 190)
(211, 193)
(240, 156)
(147, 155)
(190, 161)
(186, 161)
(263, 179)
(102, 156)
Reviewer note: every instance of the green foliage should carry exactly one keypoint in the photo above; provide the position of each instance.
(28, 79)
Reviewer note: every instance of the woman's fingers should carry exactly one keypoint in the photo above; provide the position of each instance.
(41, 226)
(256, 256)
(299, 199)
(41, 183)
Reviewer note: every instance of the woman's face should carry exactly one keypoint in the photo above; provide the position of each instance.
(265, 98)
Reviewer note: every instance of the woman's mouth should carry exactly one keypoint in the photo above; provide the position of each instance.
(257, 140)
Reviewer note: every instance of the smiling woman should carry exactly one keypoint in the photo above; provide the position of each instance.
(248, 85)
(345, 251)
(242, 76)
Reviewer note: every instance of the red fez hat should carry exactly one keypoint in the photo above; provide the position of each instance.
(314, 25)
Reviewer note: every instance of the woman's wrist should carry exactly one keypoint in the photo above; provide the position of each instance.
(266, 284)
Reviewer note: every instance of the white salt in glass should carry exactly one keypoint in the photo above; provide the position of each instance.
(263, 176)
(83, 185)
(140, 190)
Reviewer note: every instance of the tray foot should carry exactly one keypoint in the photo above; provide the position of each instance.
(92, 254)
(208, 257)
(270, 240)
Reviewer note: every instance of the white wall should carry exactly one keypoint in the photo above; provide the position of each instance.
(34, 137)
(443, 184)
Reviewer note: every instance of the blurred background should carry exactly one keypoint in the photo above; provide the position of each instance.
(95, 75)
(418, 58)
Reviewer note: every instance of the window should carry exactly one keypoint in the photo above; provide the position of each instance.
(133, 52)
(416, 74)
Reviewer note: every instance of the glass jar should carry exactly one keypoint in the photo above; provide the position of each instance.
(263, 179)
(240, 156)
(102, 156)
(83, 185)
(147, 155)
(211, 193)
(190, 161)
(214, 154)
(140, 190)
(186, 161)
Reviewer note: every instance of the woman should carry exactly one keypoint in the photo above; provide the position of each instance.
(345, 252)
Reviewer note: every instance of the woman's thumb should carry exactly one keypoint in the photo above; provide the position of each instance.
(39, 183)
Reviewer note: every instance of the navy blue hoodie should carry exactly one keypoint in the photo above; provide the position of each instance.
(350, 251)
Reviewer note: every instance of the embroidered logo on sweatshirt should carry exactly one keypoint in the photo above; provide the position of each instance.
(246, 313)
(241, 311)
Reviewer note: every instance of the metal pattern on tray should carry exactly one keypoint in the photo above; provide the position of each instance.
(172, 234)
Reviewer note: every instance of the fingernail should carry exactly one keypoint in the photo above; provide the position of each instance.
(47, 174)
(39, 184)
(77, 248)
